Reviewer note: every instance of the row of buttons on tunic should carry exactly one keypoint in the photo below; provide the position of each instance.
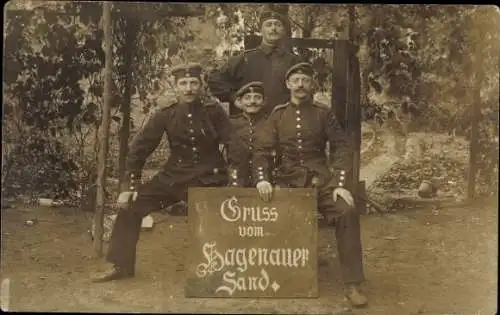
(299, 135)
(132, 182)
(234, 175)
(250, 147)
(250, 139)
(193, 139)
(342, 178)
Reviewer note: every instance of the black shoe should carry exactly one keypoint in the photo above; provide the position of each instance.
(113, 273)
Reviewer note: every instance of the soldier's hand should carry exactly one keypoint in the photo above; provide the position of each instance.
(125, 197)
(265, 190)
(344, 194)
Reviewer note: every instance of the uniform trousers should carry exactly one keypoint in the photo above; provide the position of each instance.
(346, 220)
(153, 196)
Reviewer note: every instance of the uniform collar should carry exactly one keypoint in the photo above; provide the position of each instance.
(196, 104)
(254, 117)
(267, 49)
(306, 102)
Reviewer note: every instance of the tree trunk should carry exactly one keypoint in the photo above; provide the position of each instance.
(307, 28)
(103, 130)
(129, 48)
(354, 97)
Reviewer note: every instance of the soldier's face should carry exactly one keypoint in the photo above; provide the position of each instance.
(188, 89)
(300, 85)
(252, 103)
(272, 31)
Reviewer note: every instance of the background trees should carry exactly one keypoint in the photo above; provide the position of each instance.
(430, 57)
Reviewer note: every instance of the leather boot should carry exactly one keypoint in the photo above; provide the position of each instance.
(114, 272)
(355, 297)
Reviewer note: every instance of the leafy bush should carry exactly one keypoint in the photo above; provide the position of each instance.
(40, 167)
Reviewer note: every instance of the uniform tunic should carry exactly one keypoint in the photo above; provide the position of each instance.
(194, 132)
(264, 64)
(299, 134)
(241, 147)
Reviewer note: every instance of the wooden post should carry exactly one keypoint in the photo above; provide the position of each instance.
(130, 46)
(103, 130)
(474, 141)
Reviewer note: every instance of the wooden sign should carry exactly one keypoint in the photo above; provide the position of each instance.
(242, 246)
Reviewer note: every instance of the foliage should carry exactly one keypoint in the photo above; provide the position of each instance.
(45, 51)
(43, 168)
(426, 56)
(53, 79)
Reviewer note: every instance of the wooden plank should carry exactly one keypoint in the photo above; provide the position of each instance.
(252, 41)
(277, 259)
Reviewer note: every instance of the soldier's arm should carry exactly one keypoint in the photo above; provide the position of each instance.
(146, 141)
(266, 139)
(221, 122)
(222, 82)
(341, 150)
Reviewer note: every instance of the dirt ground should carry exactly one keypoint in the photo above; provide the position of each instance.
(423, 261)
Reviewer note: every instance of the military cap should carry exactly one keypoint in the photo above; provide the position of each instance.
(192, 70)
(269, 14)
(251, 87)
(303, 68)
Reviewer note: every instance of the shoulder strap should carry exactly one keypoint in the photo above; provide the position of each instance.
(279, 107)
(250, 50)
(169, 103)
(321, 105)
(208, 101)
(236, 116)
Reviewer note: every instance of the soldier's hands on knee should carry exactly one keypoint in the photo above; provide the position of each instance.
(125, 198)
(265, 190)
(344, 194)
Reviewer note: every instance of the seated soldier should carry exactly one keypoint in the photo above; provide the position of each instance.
(300, 130)
(195, 129)
(250, 99)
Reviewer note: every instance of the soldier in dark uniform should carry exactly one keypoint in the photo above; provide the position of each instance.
(195, 129)
(267, 63)
(245, 124)
(300, 130)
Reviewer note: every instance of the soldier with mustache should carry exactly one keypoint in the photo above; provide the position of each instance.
(267, 63)
(195, 128)
(245, 124)
(300, 130)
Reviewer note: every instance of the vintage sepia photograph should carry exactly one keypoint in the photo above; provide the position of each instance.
(250, 158)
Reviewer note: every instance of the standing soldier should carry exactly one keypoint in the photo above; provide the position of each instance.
(195, 129)
(267, 63)
(241, 143)
(300, 130)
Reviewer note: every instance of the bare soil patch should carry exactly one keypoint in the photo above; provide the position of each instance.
(416, 262)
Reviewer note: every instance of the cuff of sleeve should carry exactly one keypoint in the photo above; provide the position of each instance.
(261, 175)
(134, 180)
(338, 178)
(233, 178)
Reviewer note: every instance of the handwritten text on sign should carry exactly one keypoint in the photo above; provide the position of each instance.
(242, 246)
